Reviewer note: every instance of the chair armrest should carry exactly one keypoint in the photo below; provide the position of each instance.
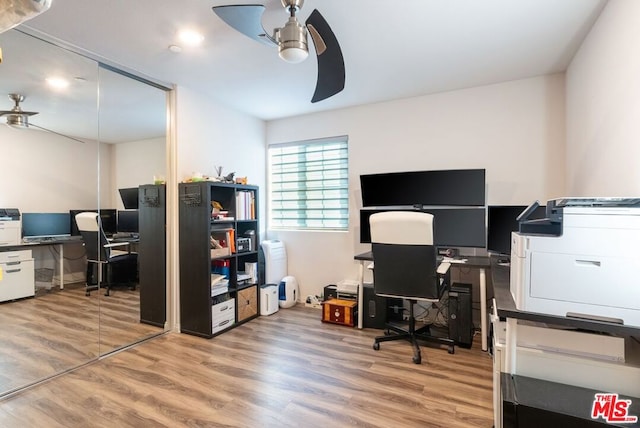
(116, 244)
(443, 268)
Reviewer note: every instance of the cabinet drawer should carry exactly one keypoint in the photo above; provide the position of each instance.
(17, 280)
(223, 315)
(12, 256)
(247, 303)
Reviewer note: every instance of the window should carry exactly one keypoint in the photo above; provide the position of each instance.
(309, 186)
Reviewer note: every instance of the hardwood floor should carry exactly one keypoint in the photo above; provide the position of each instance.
(285, 370)
(61, 329)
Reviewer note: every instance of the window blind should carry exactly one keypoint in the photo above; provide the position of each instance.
(309, 185)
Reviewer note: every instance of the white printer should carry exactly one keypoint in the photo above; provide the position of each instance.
(10, 226)
(582, 260)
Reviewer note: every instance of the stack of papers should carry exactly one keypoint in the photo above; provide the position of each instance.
(219, 284)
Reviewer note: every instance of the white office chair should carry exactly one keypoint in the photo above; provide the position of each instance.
(121, 266)
(405, 267)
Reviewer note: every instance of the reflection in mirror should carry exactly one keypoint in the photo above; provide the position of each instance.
(132, 128)
(91, 131)
(48, 324)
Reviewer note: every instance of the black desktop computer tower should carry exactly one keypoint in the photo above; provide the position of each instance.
(377, 310)
(460, 315)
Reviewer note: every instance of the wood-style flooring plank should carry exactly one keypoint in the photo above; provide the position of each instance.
(285, 370)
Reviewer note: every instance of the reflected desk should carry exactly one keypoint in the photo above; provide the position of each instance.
(59, 242)
(481, 263)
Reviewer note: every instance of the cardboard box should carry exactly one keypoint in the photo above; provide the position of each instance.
(339, 311)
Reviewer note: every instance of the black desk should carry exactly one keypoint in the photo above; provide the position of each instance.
(478, 262)
(530, 402)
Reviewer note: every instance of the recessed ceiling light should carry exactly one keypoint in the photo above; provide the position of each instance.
(57, 82)
(175, 48)
(190, 37)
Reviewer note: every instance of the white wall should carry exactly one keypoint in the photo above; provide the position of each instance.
(210, 135)
(515, 130)
(136, 163)
(43, 172)
(603, 106)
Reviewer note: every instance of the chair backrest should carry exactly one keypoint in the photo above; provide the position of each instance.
(404, 255)
(93, 236)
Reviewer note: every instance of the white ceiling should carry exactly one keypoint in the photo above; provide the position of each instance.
(392, 49)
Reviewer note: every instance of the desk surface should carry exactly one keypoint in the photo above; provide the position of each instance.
(506, 308)
(471, 261)
(42, 242)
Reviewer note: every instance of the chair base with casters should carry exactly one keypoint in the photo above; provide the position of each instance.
(405, 267)
(102, 275)
(413, 335)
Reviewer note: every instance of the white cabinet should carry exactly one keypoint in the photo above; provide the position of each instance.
(17, 275)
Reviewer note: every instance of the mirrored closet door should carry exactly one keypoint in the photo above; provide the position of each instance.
(73, 132)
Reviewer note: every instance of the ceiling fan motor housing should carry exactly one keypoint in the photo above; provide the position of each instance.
(292, 41)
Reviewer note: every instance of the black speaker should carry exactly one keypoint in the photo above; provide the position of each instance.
(378, 310)
(460, 321)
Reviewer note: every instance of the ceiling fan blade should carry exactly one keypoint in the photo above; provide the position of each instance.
(331, 74)
(247, 19)
(23, 113)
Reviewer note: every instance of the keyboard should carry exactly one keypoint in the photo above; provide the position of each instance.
(125, 235)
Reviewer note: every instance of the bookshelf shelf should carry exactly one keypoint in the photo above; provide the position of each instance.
(208, 246)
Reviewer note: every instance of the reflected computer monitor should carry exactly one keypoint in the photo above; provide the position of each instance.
(128, 221)
(129, 198)
(45, 225)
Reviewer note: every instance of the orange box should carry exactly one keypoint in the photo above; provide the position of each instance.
(339, 311)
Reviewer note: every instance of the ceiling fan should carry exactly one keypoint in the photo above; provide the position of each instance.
(291, 41)
(18, 118)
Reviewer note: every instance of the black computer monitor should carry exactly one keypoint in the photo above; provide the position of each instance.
(456, 187)
(45, 224)
(128, 221)
(129, 198)
(501, 221)
(452, 227)
(108, 218)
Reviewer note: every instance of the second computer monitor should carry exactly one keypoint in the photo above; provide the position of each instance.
(128, 221)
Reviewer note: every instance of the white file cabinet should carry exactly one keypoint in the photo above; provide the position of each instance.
(17, 275)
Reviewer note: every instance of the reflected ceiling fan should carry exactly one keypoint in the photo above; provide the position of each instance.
(291, 41)
(18, 118)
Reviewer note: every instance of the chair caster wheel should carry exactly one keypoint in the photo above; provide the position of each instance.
(387, 332)
(87, 294)
(376, 346)
(452, 349)
(417, 360)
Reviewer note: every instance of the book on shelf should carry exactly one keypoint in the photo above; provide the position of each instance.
(245, 205)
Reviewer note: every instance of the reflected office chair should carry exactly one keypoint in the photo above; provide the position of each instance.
(104, 262)
(405, 267)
